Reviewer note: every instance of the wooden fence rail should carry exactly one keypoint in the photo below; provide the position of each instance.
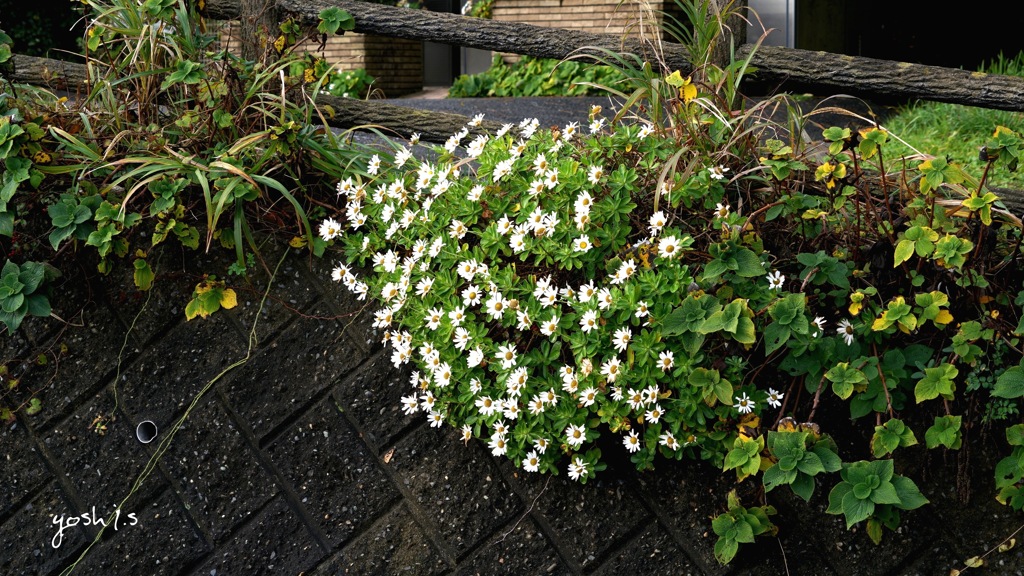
(780, 68)
(786, 69)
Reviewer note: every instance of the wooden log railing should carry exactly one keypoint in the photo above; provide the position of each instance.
(783, 69)
(786, 69)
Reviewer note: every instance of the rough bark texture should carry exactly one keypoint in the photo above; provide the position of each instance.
(734, 32)
(469, 32)
(778, 68)
(348, 113)
(398, 120)
(55, 74)
(223, 9)
(258, 27)
(824, 73)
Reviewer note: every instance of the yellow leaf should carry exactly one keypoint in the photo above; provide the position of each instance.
(192, 309)
(878, 324)
(297, 242)
(1001, 130)
(943, 317)
(279, 44)
(974, 562)
(228, 299)
(1007, 546)
(675, 79)
(688, 91)
(787, 424)
(41, 158)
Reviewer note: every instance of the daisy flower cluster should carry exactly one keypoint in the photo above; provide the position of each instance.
(535, 311)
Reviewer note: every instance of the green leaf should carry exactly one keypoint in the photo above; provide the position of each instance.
(34, 407)
(725, 550)
(31, 276)
(1010, 383)
(803, 486)
(744, 532)
(855, 509)
(749, 265)
(835, 497)
(776, 476)
(909, 495)
(143, 274)
(775, 336)
(186, 72)
(829, 459)
(38, 305)
(735, 458)
(937, 381)
(874, 530)
(745, 331)
(904, 250)
(1015, 435)
(810, 464)
(945, 431)
(885, 493)
(724, 391)
(333, 19)
(722, 524)
(845, 379)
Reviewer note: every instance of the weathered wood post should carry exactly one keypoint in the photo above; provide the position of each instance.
(258, 26)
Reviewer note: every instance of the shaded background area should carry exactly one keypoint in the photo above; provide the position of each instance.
(964, 36)
(43, 28)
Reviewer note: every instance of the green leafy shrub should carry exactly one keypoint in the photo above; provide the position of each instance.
(206, 152)
(534, 77)
(22, 292)
(871, 491)
(739, 525)
(672, 285)
(478, 8)
(350, 83)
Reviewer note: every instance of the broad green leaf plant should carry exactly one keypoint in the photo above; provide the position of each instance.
(672, 280)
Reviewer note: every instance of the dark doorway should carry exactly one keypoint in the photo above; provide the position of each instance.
(954, 36)
(440, 61)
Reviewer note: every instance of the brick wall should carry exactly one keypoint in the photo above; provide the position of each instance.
(397, 64)
(595, 16)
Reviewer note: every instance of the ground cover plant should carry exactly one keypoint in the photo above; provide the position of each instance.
(529, 76)
(681, 278)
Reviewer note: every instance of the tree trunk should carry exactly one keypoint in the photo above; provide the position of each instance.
(258, 27)
(733, 33)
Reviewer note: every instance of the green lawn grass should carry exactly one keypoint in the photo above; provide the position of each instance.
(958, 132)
